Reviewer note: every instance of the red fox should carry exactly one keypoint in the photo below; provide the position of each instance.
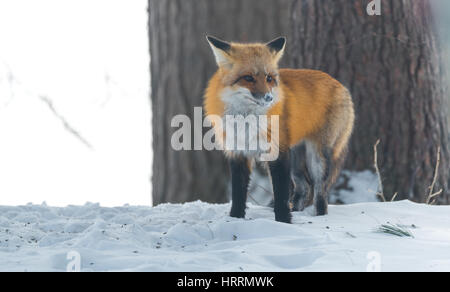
(316, 119)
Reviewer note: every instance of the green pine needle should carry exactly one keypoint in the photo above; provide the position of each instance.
(397, 230)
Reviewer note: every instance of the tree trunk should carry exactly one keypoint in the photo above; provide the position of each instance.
(181, 64)
(392, 66)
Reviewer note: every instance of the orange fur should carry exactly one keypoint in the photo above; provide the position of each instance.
(312, 105)
(315, 113)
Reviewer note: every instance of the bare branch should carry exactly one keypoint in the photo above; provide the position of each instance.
(394, 197)
(264, 189)
(380, 192)
(432, 195)
(66, 124)
(261, 187)
(254, 200)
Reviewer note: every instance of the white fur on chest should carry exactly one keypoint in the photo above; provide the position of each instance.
(245, 124)
(241, 102)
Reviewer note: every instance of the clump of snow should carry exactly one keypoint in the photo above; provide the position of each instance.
(202, 237)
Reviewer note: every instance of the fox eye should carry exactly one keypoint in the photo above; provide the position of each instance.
(269, 78)
(248, 78)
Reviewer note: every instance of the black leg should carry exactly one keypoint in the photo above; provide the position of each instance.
(281, 181)
(240, 175)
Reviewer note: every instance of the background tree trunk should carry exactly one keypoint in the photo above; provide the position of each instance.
(392, 66)
(181, 64)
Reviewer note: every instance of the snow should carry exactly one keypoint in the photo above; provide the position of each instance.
(202, 237)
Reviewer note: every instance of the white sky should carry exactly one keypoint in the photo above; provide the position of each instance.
(90, 57)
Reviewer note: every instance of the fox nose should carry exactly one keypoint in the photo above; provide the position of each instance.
(267, 97)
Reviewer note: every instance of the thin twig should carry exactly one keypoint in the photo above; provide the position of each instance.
(435, 195)
(251, 197)
(432, 195)
(375, 163)
(66, 125)
(394, 197)
(264, 189)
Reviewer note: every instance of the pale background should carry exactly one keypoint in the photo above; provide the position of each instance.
(90, 58)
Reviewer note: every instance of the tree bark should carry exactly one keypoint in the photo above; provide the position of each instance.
(392, 66)
(181, 64)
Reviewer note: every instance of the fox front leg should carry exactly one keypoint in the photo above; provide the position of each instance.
(281, 182)
(240, 176)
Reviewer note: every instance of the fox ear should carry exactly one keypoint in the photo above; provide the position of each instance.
(220, 49)
(277, 47)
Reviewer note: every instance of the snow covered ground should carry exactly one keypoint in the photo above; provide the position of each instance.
(201, 237)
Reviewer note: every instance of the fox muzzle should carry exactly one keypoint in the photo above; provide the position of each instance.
(266, 97)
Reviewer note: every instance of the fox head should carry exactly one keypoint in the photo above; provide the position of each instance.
(249, 73)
